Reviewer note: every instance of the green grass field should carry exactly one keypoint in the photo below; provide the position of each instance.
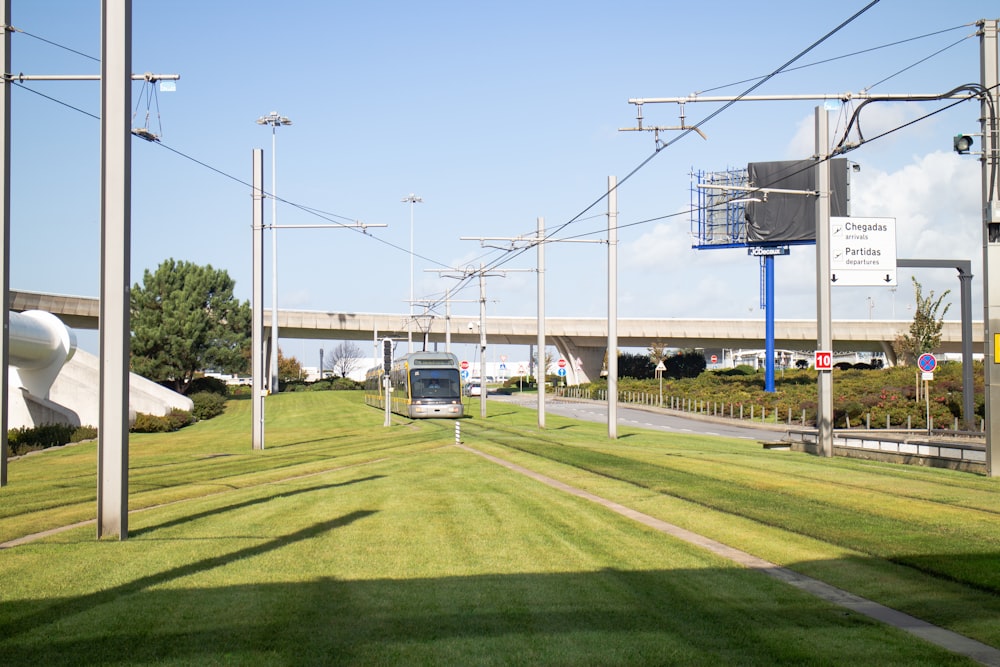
(345, 542)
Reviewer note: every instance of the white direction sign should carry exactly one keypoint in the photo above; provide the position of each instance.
(863, 251)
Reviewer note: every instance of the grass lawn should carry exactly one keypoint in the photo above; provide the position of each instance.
(344, 542)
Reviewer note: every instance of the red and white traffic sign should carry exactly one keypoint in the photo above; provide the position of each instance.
(465, 365)
(715, 359)
(562, 363)
(823, 360)
(927, 362)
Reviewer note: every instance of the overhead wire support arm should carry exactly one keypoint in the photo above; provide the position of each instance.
(805, 97)
(656, 129)
(751, 189)
(530, 242)
(961, 93)
(148, 76)
(363, 226)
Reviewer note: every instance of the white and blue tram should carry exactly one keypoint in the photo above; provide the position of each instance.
(424, 385)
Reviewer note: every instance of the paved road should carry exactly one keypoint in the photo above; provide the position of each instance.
(651, 418)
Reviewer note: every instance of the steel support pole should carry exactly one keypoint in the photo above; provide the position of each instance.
(273, 384)
(5, 242)
(540, 239)
(116, 167)
(612, 307)
(824, 315)
(447, 320)
(412, 199)
(991, 240)
(968, 386)
(482, 342)
(257, 304)
(409, 321)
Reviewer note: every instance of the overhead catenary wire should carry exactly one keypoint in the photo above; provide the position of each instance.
(851, 55)
(919, 62)
(684, 133)
(51, 43)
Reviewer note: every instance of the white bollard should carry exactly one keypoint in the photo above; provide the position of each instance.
(458, 433)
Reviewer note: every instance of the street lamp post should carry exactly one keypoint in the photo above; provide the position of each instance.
(274, 120)
(412, 199)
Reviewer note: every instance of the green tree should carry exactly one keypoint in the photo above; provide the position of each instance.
(185, 319)
(658, 351)
(686, 364)
(289, 368)
(637, 366)
(925, 330)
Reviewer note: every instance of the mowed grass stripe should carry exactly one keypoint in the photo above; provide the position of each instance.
(58, 487)
(430, 556)
(872, 523)
(919, 587)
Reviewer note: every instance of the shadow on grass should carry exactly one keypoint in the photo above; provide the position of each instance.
(706, 616)
(188, 518)
(94, 601)
(325, 438)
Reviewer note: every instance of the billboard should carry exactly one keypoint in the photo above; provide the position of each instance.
(791, 218)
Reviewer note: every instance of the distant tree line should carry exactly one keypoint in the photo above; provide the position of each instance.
(686, 364)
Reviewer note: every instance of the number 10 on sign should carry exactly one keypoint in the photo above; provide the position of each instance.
(823, 360)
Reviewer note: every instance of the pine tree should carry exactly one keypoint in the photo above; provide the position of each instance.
(185, 319)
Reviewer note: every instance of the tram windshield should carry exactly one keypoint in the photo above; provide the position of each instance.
(435, 383)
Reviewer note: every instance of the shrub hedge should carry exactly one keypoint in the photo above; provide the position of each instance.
(177, 419)
(207, 404)
(31, 438)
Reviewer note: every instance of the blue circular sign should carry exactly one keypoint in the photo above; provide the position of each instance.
(465, 375)
(927, 362)
(562, 372)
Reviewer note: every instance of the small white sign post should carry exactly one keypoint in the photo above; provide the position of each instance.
(927, 363)
(659, 374)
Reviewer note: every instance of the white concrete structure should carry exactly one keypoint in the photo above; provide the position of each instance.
(52, 382)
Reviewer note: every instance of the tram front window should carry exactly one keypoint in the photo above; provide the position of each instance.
(435, 384)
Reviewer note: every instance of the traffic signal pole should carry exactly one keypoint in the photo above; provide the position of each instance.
(990, 79)
(387, 379)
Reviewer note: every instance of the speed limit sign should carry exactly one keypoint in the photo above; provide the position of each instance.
(823, 360)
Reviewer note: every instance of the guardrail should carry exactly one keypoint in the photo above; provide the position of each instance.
(757, 413)
(956, 454)
(954, 449)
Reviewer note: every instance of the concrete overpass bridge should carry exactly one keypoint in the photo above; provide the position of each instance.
(583, 340)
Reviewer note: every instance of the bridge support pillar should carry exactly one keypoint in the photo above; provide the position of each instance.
(889, 352)
(584, 363)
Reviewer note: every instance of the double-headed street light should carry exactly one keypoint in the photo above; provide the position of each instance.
(274, 120)
(412, 199)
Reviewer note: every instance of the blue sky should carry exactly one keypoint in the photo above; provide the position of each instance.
(495, 114)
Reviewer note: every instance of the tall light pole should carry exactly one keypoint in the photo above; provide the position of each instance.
(274, 120)
(412, 199)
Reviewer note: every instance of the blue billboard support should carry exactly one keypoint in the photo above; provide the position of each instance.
(768, 323)
(767, 255)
